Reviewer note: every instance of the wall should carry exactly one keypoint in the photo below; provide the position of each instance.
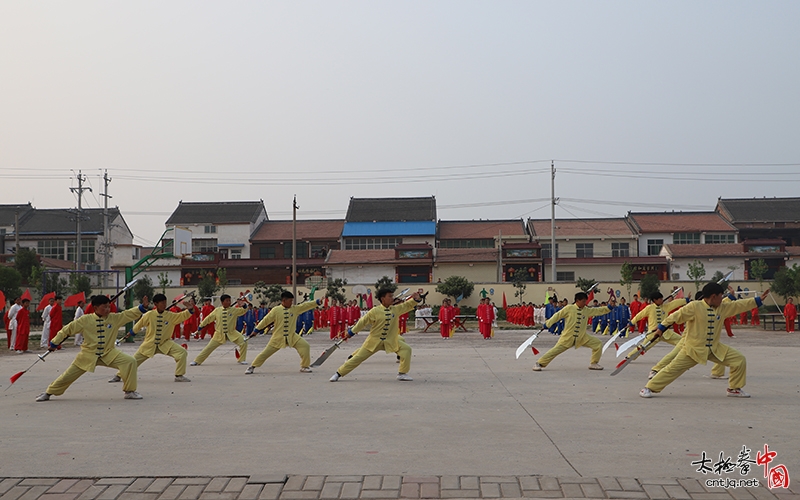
(681, 267)
(366, 275)
(667, 237)
(483, 272)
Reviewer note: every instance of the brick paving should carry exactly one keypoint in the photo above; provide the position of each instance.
(281, 487)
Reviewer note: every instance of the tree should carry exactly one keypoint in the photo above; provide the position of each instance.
(787, 282)
(143, 287)
(386, 282)
(336, 289)
(758, 268)
(585, 284)
(49, 282)
(25, 261)
(718, 276)
(10, 279)
(271, 294)
(457, 287)
(626, 275)
(520, 285)
(207, 287)
(222, 277)
(649, 285)
(79, 283)
(696, 273)
(164, 281)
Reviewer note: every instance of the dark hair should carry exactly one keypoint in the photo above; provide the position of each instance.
(712, 289)
(581, 296)
(698, 296)
(59, 297)
(287, 295)
(99, 300)
(656, 295)
(383, 292)
(159, 297)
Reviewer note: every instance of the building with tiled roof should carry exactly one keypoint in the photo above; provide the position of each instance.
(585, 238)
(480, 233)
(763, 217)
(383, 223)
(406, 263)
(656, 229)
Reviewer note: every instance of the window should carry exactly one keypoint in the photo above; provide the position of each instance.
(204, 246)
(302, 250)
(266, 253)
(565, 275)
(654, 247)
(476, 243)
(620, 250)
(210, 229)
(371, 243)
(236, 254)
(136, 253)
(51, 249)
(546, 250)
(584, 250)
(716, 239)
(413, 274)
(87, 251)
(686, 238)
(319, 251)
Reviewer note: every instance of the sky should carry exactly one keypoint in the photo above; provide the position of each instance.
(641, 106)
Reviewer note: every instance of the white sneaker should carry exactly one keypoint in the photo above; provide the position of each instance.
(335, 377)
(132, 395)
(181, 378)
(737, 393)
(194, 363)
(719, 377)
(242, 362)
(646, 393)
(115, 378)
(305, 369)
(404, 377)
(537, 367)
(43, 397)
(249, 370)
(595, 366)
(653, 373)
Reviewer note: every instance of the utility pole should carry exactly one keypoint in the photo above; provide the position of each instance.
(500, 256)
(553, 202)
(16, 233)
(106, 243)
(80, 189)
(294, 246)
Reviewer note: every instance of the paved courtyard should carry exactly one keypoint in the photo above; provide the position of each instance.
(474, 423)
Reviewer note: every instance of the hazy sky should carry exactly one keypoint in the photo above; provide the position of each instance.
(467, 101)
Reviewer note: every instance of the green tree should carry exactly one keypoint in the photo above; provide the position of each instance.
(520, 286)
(626, 277)
(80, 283)
(386, 282)
(717, 277)
(649, 285)
(25, 261)
(271, 294)
(207, 287)
(164, 281)
(143, 287)
(222, 276)
(787, 282)
(585, 284)
(456, 286)
(696, 273)
(759, 268)
(336, 289)
(10, 280)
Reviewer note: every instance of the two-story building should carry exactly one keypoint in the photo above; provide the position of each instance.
(763, 218)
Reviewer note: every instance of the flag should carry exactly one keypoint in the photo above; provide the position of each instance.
(505, 304)
(45, 300)
(72, 300)
(26, 295)
(679, 295)
(459, 298)
(2, 300)
(369, 299)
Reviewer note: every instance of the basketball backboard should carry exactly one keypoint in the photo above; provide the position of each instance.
(182, 238)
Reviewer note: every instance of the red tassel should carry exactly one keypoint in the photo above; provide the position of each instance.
(236, 352)
(185, 346)
(535, 351)
(621, 362)
(616, 346)
(16, 376)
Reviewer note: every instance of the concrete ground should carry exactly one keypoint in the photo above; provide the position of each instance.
(472, 411)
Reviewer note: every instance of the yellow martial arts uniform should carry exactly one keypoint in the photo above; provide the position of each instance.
(574, 333)
(224, 320)
(158, 338)
(99, 336)
(284, 334)
(701, 342)
(655, 314)
(384, 333)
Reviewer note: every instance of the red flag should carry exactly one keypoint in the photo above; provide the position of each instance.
(505, 304)
(679, 295)
(2, 300)
(45, 300)
(26, 295)
(73, 300)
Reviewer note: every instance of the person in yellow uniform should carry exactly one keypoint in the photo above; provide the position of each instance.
(158, 338)
(284, 333)
(704, 320)
(384, 334)
(99, 331)
(575, 318)
(655, 313)
(224, 319)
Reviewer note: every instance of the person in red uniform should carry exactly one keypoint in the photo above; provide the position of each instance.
(23, 327)
(334, 313)
(204, 312)
(56, 319)
(403, 323)
(485, 318)
(176, 332)
(193, 323)
(754, 318)
(789, 310)
(446, 319)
